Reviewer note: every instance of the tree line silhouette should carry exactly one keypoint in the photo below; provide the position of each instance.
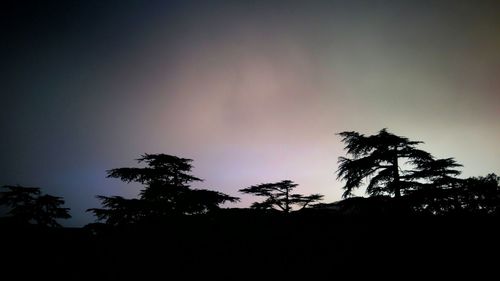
(418, 217)
(422, 185)
(28, 206)
(396, 175)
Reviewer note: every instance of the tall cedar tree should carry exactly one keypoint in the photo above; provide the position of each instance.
(377, 158)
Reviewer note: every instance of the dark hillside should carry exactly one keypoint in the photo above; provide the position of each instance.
(242, 245)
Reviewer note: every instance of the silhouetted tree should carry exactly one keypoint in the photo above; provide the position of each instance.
(480, 195)
(27, 205)
(202, 201)
(162, 170)
(377, 158)
(48, 209)
(20, 200)
(167, 191)
(118, 210)
(438, 192)
(278, 196)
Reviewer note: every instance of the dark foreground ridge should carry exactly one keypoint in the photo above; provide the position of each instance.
(239, 244)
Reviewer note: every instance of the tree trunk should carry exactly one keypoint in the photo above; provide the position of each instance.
(287, 203)
(397, 187)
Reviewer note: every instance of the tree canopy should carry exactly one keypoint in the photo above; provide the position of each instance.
(167, 191)
(278, 196)
(27, 205)
(392, 165)
(480, 195)
(435, 185)
(378, 158)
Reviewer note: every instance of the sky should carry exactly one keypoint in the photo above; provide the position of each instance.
(252, 91)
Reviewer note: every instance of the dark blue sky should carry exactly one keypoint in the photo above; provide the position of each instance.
(253, 91)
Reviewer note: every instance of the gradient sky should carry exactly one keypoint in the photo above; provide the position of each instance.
(252, 91)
